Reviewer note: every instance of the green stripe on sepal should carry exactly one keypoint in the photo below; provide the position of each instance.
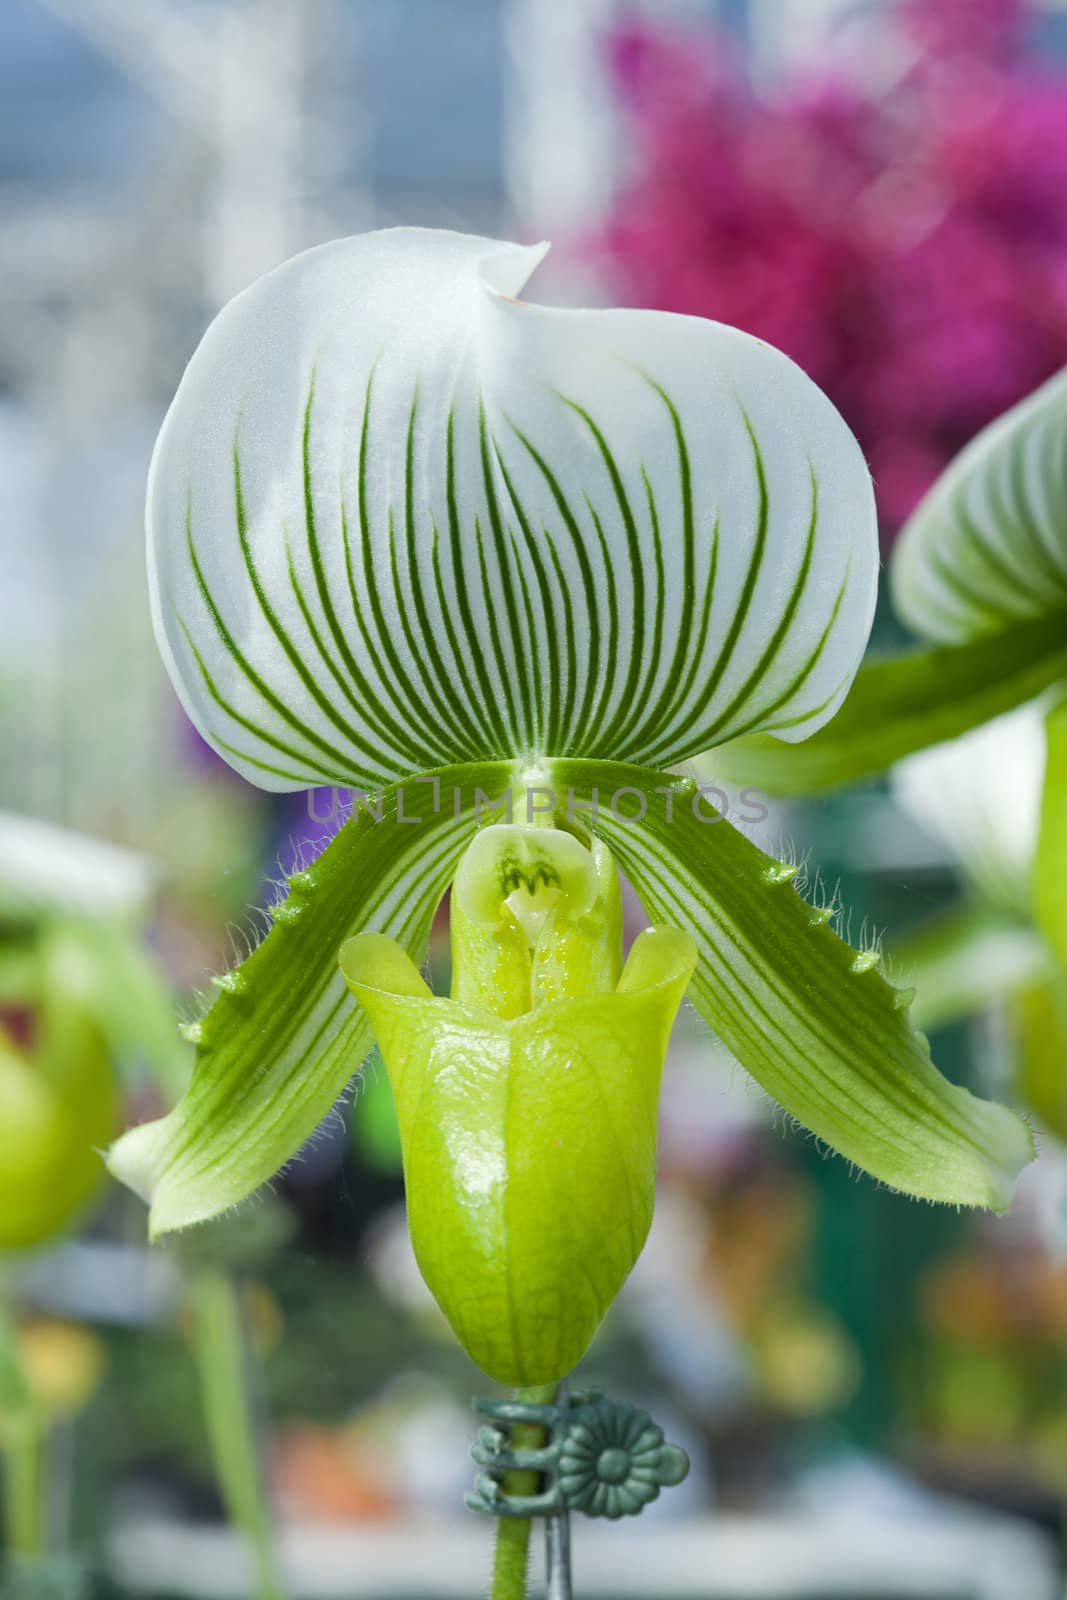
(988, 544)
(814, 1021)
(1050, 863)
(900, 704)
(283, 1038)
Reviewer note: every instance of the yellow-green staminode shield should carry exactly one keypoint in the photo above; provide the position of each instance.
(529, 1146)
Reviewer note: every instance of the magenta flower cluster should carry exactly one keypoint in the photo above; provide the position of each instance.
(895, 218)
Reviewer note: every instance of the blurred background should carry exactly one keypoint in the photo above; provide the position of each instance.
(873, 1392)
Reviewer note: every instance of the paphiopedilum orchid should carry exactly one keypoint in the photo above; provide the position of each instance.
(992, 797)
(58, 1104)
(413, 536)
(978, 797)
(76, 994)
(980, 572)
(979, 575)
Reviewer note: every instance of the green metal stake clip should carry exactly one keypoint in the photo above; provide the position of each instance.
(603, 1457)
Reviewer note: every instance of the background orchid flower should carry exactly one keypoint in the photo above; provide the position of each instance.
(984, 795)
(979, 573)
(58, 1106)
(981, 569)
(979, 797)
(412, 535)
(94, 898)
(78, 996)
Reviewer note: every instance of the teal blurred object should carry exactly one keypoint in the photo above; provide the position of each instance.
(871, 1247)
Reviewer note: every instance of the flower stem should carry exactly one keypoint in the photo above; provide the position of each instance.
(220, 1353)
(513, 1533)
(23, 1445)
(24, 1481)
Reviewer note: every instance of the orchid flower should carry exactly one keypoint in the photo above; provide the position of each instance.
(985, 797)
(979, 797)
(979, 574)
(71, 988)
(500, 569)
(61, 888)
(57, 1107)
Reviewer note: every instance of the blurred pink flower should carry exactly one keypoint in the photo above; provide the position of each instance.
(906, 245)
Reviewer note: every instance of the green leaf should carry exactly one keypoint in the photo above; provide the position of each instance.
(1050, 862)
(965, 961)
(283, 1037)
(814, 1021)
(900, 704)
(399, 519)
(987, 547)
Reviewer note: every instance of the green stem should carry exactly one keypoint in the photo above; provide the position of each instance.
(513, 1533)
(23, 1442)
(221, 1360)
(25, 1439)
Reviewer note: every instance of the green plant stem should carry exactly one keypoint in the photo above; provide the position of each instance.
(25, 1439)
(513, 1533)
(23, 1445)
(221, 1360)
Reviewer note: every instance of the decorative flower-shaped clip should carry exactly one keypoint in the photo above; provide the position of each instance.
(614, 1460)
(603, 1457)
(414, 536)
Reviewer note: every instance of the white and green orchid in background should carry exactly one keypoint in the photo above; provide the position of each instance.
(981, 796)
(412, 536)
(979, 574)
(75, 992)
(982, 566)
(74, 975)
(85, 1004)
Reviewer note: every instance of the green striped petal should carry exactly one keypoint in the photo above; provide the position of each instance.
(398, 519)
(988, 545)
(283, 1037)
(814, 1021)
